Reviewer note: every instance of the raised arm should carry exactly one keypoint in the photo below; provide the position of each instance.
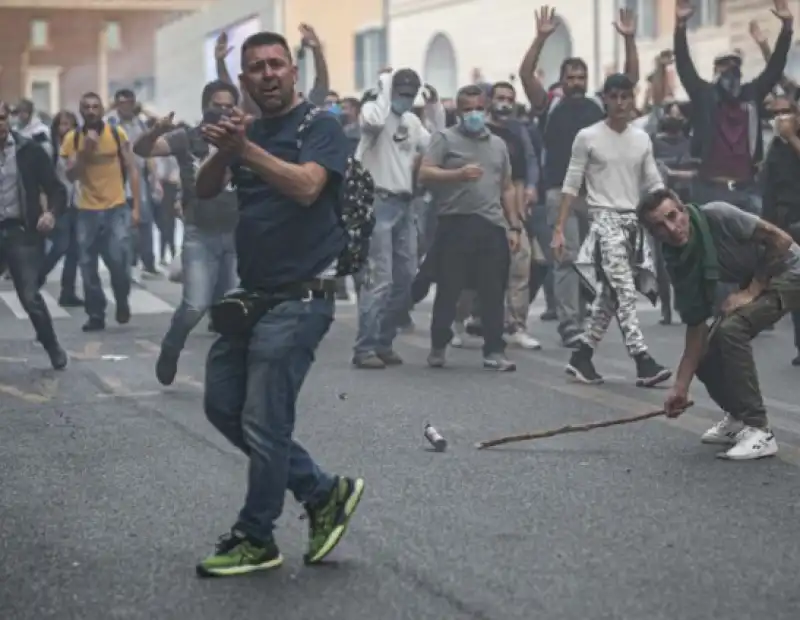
(322, 82)
(546, 24)
(684, 65)
(626, 28)
(374, 113)
(760, 39)
(776, 63)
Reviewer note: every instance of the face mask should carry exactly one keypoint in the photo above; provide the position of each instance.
(730, 82)
(502, 110)
(335, 108)
(474, 121)
(401, 105)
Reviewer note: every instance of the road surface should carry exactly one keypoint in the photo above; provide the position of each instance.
(112, 487)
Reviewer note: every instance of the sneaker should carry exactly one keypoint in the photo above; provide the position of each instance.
(723, 432)
(796, 360)
(457, 340)
(328, 522)
(752, 443)
(238, 555)
(524, 341)
(151, 275)
(498, 362)
(70, 300)
(581, 367)
(166, 367)
(473, 327)
(94, 325)
(390, 358)
(548, 315)
(368, 361)
(436, 358)
(649, 372)
(123, 314)
(58, 357)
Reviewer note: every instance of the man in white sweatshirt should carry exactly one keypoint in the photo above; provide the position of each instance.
(392, 142)
(30, 126)
(616, 162)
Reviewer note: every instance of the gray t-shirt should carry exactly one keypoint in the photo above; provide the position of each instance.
(451, 149)
(218, 214)
(738, 256)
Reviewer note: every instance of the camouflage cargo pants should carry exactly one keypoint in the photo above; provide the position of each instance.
(617, 294)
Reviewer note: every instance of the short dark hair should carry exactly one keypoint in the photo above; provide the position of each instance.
(260, 39)
(124, 93)
(91, 95)
(333, 93)
(217, 86)
(352, 101)
(573, 63)
(652, 201)
(504, 84)
(471, 90)
(25, 104)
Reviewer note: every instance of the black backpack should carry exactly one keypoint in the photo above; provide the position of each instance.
(357, 215)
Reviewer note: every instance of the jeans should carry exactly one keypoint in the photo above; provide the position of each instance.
(105, 234)
(22, 252)
(64, 243)
(385, 290)
(141, 240)
(252, 385)
(566, 282)
(209, 271)
(166, 218)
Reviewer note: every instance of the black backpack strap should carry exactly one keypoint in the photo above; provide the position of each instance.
(305, 124)
(122, 167)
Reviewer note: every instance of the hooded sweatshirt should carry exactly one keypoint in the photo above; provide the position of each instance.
(37, 131)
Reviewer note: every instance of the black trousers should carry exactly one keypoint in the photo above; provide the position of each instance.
(23, 253)
(165, 218)
(470, 252)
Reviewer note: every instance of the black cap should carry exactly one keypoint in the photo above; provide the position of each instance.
(618, 81)
(406, 82)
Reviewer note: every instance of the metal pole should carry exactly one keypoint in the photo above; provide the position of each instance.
(387, 19)
(597, 16)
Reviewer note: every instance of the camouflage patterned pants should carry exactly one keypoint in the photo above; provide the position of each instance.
(617, 293)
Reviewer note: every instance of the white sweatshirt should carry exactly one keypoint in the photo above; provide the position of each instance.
(617, 167)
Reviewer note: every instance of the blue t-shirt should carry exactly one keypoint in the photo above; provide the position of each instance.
(279, 241)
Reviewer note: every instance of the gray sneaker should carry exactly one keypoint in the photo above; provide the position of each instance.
(498, 362)
(436, 358)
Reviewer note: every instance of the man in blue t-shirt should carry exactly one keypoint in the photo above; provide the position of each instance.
(288, 238)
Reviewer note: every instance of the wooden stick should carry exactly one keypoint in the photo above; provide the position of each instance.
(578, 428)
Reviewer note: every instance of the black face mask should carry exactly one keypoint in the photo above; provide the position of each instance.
(671, 125)
(729, 83)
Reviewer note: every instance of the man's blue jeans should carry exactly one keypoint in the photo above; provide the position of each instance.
(209, 271)
(105, 234)
(251, 391)
(386, 281)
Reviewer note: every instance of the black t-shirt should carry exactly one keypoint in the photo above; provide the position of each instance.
(279, 241)
(516, 151)
(564, 121)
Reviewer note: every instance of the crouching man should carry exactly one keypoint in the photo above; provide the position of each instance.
(719, 243)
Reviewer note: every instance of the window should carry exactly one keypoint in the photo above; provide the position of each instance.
(113, 36)
(706, 13)
(40, 34)
(306, 75)
(370, 57)
(42, 96)
(646, 17)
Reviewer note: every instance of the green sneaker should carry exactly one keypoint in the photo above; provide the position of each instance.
(237, 555)
(327, 523)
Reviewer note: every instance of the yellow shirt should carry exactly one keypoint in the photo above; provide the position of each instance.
(102, 186)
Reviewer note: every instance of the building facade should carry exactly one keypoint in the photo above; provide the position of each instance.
(60, 49)
(449, 41)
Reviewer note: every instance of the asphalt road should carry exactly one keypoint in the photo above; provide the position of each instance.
(111, 488)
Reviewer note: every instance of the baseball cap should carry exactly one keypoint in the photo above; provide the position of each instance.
(733, 55)
(618, 81)
(406, 82)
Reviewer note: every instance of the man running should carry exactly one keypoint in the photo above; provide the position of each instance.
(720, 243)
(616, 162)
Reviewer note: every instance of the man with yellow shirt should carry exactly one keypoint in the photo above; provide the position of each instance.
(100, 159)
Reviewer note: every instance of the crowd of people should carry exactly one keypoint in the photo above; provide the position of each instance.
(284, 197)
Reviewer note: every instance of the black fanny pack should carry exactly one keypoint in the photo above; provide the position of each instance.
(237, 313)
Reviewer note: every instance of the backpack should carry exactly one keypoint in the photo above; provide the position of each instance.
(357, 215)
(114, 132)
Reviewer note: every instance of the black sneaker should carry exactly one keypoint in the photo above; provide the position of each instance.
(58, 357)
(581, 368)
(796, 361)
(238, 555)
(123, 314)
(94, 325)
(70, 300)
(498, 362)
(649, 372)
(166, 367)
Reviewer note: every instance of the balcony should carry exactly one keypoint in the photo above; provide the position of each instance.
(108, 5)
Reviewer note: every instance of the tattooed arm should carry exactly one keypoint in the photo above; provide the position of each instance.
(778, 245)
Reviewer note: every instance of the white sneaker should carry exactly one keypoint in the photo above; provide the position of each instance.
(458, 335)
(752, 443)
(523, 340)
(723, 432)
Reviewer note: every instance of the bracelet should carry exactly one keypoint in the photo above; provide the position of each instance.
(515, 229)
